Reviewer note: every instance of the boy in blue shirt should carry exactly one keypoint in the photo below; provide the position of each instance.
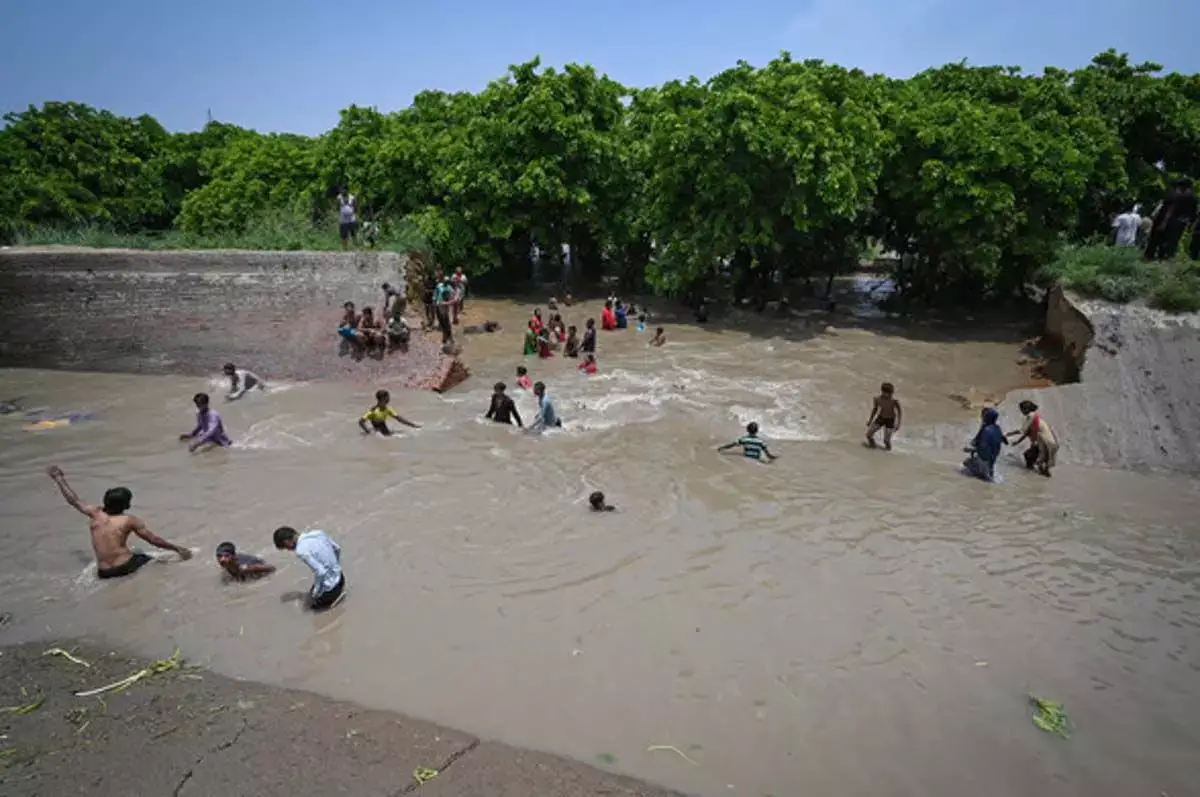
(324, 557)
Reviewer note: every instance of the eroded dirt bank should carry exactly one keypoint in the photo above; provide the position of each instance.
(1137, 404)
(187, 312)
(190, 732)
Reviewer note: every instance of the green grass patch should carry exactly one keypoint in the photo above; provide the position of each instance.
(1118, 274)
(274, 231)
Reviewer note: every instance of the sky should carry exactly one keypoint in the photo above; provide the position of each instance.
(291, 66)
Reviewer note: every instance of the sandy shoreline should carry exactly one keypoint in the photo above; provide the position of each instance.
(189, 731)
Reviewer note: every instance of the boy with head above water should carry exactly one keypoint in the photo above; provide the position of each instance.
(752, 445)
(379, 414)
(111, 527)
(324, 557)
(588, 346)
(885, 414)
(241, 381)
(660, 337)
(240, 566)
(546, 418)
(523, 380)
(598, 504)
(503, 409)
(209, 428)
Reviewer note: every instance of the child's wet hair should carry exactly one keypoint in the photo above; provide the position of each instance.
(200, 398)
(887, 388)
(522, 370)
(382, 395)
(1027, 406)
(660, 330)
(117, 500)
(499, 387)
(752, 428)
(596, 499)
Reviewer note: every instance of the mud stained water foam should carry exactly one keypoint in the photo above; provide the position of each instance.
(842, 621)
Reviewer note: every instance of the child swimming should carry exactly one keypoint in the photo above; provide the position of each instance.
(378, 415)
(752, 445)
(240, 566)
(597, 503)
(523, 380)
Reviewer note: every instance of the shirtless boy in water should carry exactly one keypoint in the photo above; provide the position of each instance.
(111, 528)
(886, 415)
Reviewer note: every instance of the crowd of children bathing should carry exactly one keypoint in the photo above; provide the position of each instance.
(544, 338)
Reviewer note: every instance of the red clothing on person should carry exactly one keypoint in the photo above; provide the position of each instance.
(608, 319)
(525, 382)
(544, 349)
(537, 324)
(587, 367)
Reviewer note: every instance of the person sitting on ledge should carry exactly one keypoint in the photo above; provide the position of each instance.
(370, 329)
(348, 328)
(398, 333)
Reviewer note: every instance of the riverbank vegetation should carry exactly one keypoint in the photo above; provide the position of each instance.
(753, 178)
(1118, 274)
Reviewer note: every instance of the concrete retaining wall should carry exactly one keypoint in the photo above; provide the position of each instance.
(1068, 327)
(188, 312)
(1137, 404)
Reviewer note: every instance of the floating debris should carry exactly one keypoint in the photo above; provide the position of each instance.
(160, 666)
(26, 709)
(423, 775)
(1050, 716)
(66, 655)
(672, 748)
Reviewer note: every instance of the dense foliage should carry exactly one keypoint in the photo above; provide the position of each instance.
(976, 175)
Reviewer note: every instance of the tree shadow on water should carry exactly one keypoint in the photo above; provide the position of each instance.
(805, 319)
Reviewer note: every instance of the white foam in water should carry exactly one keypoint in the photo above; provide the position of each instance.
(777, 423)
(218, 385)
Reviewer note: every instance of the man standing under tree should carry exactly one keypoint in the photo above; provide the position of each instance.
(347, 216)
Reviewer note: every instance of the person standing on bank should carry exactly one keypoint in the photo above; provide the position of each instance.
(443, 298)
(323, 556)
(111, 527)
(347, 216)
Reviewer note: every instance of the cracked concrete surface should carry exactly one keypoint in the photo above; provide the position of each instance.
(191, 732)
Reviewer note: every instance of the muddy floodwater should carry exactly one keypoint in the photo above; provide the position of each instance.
(840, 622)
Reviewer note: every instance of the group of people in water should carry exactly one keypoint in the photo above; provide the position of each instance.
(111, 524)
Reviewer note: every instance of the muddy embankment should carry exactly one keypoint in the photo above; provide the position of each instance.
(188, 312)
(1137, 402)
(191, 733)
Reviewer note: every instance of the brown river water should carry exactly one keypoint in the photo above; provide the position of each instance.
(840, 622)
